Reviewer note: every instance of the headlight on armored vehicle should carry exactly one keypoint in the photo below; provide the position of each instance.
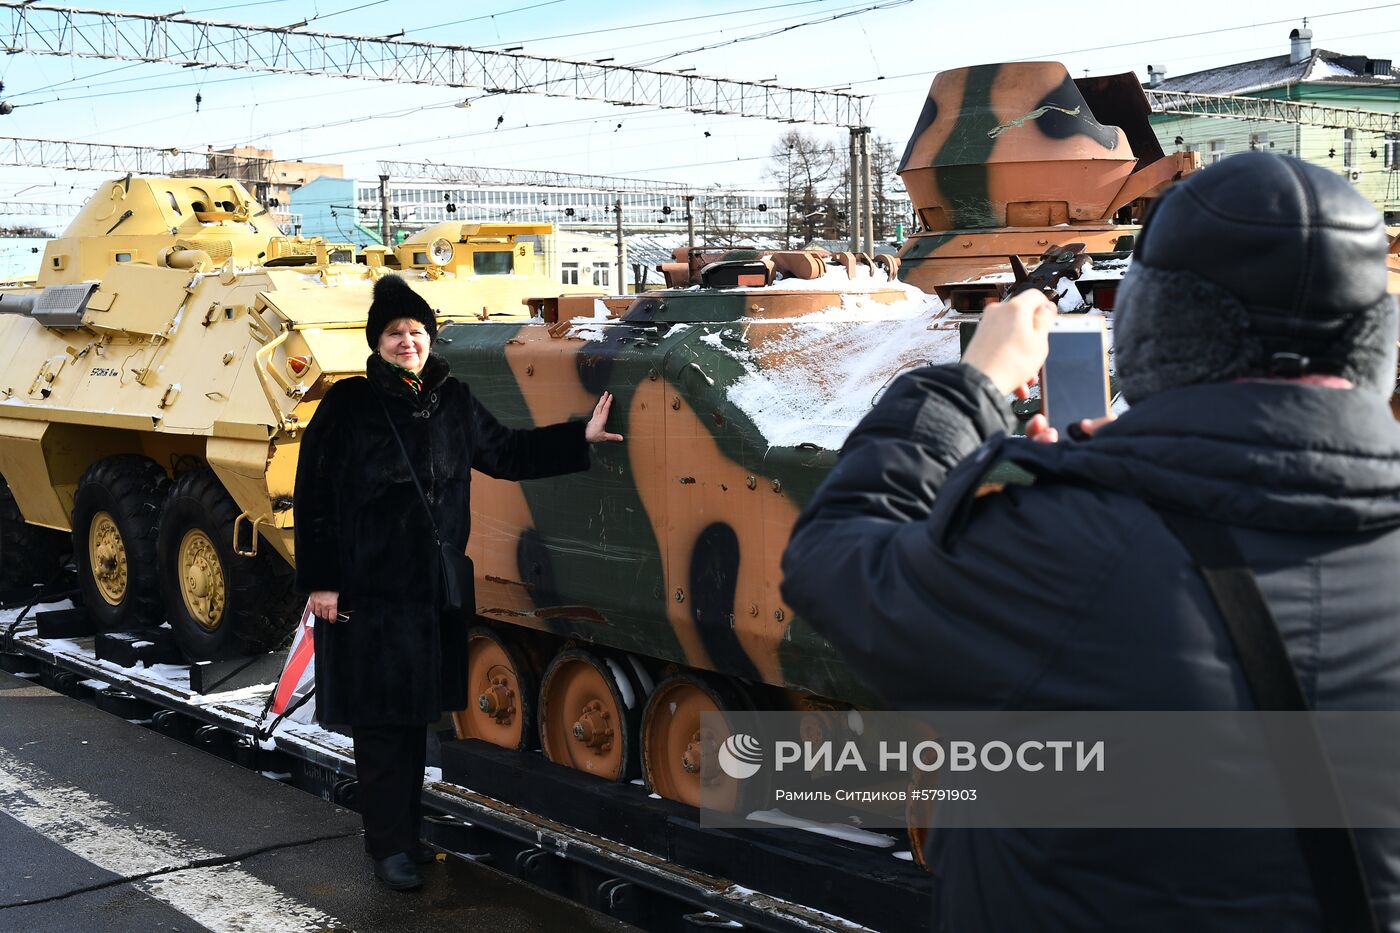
(441, 251)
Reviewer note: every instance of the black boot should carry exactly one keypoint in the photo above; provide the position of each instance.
(398, 872)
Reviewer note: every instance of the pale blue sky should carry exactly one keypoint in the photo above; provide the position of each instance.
(358, 123)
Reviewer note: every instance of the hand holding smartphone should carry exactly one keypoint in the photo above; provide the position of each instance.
(1074, 379)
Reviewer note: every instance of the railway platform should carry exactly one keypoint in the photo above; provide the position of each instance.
(106, 825)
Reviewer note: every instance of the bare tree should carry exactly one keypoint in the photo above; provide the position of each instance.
(717, 219)
(886, 183)
(807, 168)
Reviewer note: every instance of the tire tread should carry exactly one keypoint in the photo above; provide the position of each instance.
(261, 606)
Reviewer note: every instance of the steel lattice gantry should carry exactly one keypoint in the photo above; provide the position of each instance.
(1277, 111)
(37, 209)
(182, 40)
(482, 175)
(112, 158)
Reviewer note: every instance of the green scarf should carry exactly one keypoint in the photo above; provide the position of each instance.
(409, 377)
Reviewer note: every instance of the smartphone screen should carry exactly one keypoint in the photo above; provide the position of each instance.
(1074, 382)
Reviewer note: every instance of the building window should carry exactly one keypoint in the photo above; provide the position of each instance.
(1392, 151)
(1259, 141)
(600, 275)
(568, 273)
(1348, 148)
(1217, 150)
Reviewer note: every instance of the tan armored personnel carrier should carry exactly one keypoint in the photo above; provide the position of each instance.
(154, 379)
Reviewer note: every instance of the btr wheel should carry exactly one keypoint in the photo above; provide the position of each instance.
(219, 604)
(116, 515)
(588, 715)
(500, 693)
(28, 554)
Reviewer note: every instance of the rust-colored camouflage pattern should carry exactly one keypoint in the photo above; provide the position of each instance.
(1013, 158)
(668, 547)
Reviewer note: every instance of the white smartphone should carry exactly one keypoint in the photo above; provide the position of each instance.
(1074, 380)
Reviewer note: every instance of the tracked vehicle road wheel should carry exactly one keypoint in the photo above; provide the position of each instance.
(679, 752)
(586, 719)
(28, 554)
(500, 693)
(918, 817)
(116, 514)
(219, 604)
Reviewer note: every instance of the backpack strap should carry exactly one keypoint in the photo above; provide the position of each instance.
(1331, 855)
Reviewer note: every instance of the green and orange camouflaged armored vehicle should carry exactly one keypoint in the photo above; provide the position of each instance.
(154, 379)
(620, 604)
(1012, 159)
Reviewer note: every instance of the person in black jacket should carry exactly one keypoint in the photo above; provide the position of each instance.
(1255, 341)
(389, 659)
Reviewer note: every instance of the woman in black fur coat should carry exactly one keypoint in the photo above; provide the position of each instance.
(389, 659)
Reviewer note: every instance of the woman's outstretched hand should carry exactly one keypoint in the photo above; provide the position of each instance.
(597, 429)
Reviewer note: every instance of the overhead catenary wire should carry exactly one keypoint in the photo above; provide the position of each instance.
(235, 78)
(425, 28)
(716, 162)
(192, 42)
(924, 73)
(248, 77)
(347, 121)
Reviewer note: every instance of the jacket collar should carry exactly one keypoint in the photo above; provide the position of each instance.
(386, 380)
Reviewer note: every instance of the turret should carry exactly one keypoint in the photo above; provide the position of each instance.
(1005, 156)
(152, 220)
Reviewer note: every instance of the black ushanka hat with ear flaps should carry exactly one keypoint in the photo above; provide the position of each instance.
(394, 299)
(1261, 265)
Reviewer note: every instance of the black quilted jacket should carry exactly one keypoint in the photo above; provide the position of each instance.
(1070, 593)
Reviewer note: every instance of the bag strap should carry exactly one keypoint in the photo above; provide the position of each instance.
(413, 474)
(1333, 861)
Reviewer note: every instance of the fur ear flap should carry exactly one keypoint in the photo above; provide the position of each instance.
(1173, 329)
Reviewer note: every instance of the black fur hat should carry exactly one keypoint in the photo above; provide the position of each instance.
(1260, 265)
(394, 299)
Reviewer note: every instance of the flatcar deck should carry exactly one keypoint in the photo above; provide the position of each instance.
(608, 847)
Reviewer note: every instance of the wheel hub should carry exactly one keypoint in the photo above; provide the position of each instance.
(498, 701)
(594, 728)
(691, 758)
(202, 580)
(107, 558)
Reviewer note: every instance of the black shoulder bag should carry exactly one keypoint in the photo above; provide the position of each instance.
(454, 567)
(1334, 864)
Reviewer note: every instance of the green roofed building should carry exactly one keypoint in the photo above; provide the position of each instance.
(1368, 155)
